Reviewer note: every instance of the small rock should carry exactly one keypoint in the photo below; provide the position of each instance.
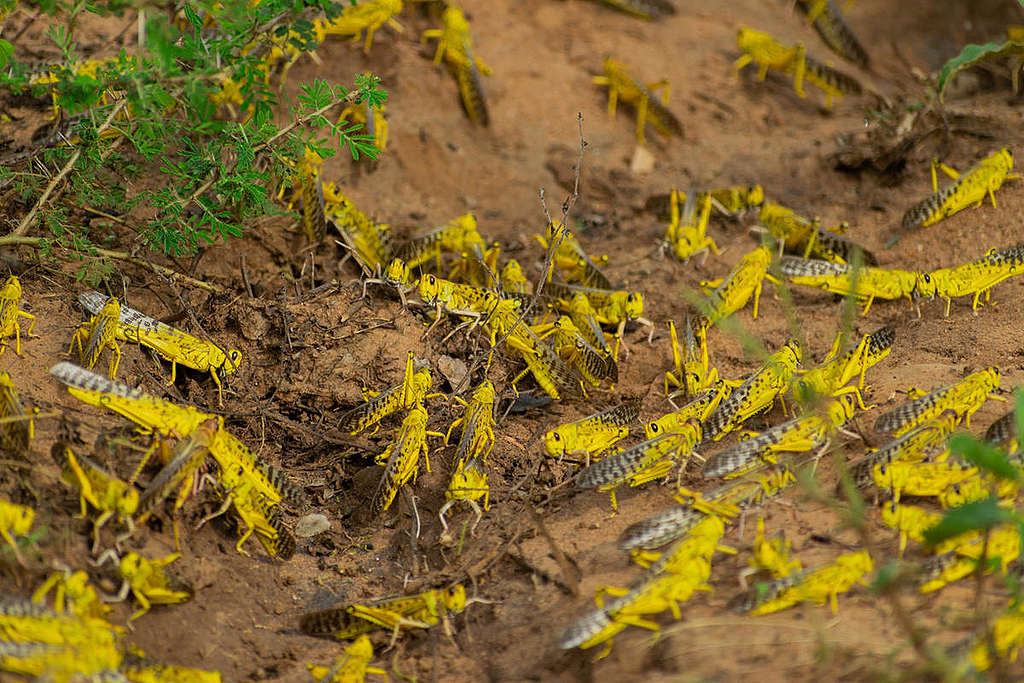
(254, 326)
(311, 525)
(453, 369)
(642, 162)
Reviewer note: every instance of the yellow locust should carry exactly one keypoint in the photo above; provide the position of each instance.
(970, 188)
(594, 434)
(977, 277)
(414, 611)
(10, 312)
(98, 334)
(15, 520)
(649, 109)
(455, 47)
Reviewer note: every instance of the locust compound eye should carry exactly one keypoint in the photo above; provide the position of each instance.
(555, 436)
(655, 428)
(883, 469)
(927, 278)
(235, 356)
(241, 471)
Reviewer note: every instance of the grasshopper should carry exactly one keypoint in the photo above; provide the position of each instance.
(832, 375)
(819, 585)
(687, 235)
(98, 334)
(367, 16)
(15, 520)
(458, 236)
(72, 594)
(99, 488)
(773, 555)
(402, 457)
(369, 242)
(965, 397)
(829, 23)
(642, 9)
(696, 374)
(726, 501)
(977, 488)
(798, 435)
(512, 278)
(146, 580)
(570, 256)
(609, 307)
(1003, 542)
(372, 118)
(672, 579)
(981, 180)
(592, 435)
(10, 312)
(977, 277)
(403, 396)
(920, 478)
(180, 348)
(622, 86)
(469, 484)
(17, 433)
(548, 369)
(732, 293)
(186, 459)
(255, 511)
(455, 46)
(1005, 639)
(760, 47)
(414, 611)
(864, 284)
(314, 211)
(699, 408)
(756, 394)
(575, 349)
(350, 666)
(915, 444)
(728, 201)
(646, 461)
(911, 521)
(477, 425)
(807, 238)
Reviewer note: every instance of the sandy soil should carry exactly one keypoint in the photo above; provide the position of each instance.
(307, 354)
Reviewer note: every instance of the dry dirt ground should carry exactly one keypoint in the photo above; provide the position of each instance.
(307, 353)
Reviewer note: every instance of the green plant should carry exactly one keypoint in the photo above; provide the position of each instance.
(167, 114)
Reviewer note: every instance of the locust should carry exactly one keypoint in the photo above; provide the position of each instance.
(977, 277)
(98, 334)
(403, 396)
(819, 585)
(477, 424)
(732, 293)
(369, 242)
(402, 457)
(455, 47)
(642, 9)
(314, 211)
(911, 521)
(610, 307)
(649, 109)
(569, 256)
(468, 484)
(969, 188)
(726, 501)
(1003, 431)
(146, 580)
(255, 511)
(1004, 639)
(646, 461)
(575, 349)
(592, 435)
(15, 520)
(921, 478)
(18, 429)
(975, 488)
(768, 53)
(863, 284)
(414, 611)
(72, 594)
(98, 488)
(458, 236)
(187, 457)
(756, 394)
(828, 21)
(367, 16)
(512, 278)
(728, 201)
(808, 239)
(10, 313)
(687, 235)
(798, 435)
(914, 444)
(1003, 542)
(699, 408)
(548, 369)
(672, 579)
(696, 374)
(371, 117)
(180, 348)
(772, 555)
(831, 376)
(349, 667)
(965, 397)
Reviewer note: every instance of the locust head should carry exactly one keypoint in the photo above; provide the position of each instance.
(11, 288)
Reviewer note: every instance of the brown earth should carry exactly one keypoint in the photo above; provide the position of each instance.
(308, 353)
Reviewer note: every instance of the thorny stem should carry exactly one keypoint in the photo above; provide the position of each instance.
(39, 243)
(29, 218)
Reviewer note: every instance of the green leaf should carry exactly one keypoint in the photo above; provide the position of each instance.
(985, 456)
(1019, 404)
(6, 50)
(970, 55)
(976, 516)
